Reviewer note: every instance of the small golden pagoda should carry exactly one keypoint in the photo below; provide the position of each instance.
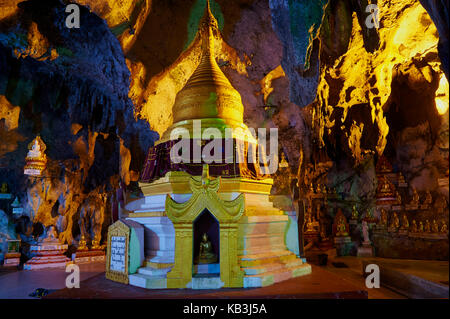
(209, 225)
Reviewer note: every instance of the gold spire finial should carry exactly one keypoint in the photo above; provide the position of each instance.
(208, 95)
(207, 28)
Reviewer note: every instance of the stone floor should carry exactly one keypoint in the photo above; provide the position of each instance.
(19, 284)
(325, 282)
(320, 284)
(428, 270)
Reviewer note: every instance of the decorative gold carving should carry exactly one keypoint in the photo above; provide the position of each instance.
(118, 229)
(178, 183)
(147, 214)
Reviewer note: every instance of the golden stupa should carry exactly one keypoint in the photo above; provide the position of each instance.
(230, 199)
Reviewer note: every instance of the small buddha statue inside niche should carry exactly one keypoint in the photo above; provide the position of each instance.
(427, 227)
(435, 227)
(405, 222)
(96, 241)
(4, 188)
(413, 228)
(310, 224)
(82, 245)
(206, 254)
(283, 162)
(340, 224)
(355, 214)
(395, 223)
(444, 228)
(383, 218)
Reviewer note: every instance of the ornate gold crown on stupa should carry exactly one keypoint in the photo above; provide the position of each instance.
(36, 159)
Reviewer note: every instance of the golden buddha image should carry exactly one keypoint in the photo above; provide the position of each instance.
(206, 254)
(413, 228)
(398, 197)
(415, 197)
(427, 227)
(395, 223)
(4, 188)
(435, 227)
(428, 198)
(405, 222)
(82, 245)
(444, 228)
(355, 213)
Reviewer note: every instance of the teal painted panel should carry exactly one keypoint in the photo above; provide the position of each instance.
(134, 252)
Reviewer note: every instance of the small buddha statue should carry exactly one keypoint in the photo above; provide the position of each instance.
(341, 229)
(355, 213)
(310, 223)
(395, 221)
(435, 227)
(427, 227)
(413, 228)
(420, 228)
(369, 216)
(52, 236)
(82, 243)
(401, 178)
(399, 197)
(415, 198)
(4, 188)
(341, 225)
(383, 218)
(405, 223)
(444, 228)
(385, 188)
(319, 189)
(311, 188)
(206, 254)
(36, 159)
(428, 198)
(283, 163)
(96, 241)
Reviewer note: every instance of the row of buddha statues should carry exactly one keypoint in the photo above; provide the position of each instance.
(387, 190)
(413, 227)
(95, 243)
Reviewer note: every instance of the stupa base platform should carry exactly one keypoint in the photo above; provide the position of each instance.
(260, 270)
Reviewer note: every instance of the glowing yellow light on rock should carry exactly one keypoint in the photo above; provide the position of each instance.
(442, 95)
